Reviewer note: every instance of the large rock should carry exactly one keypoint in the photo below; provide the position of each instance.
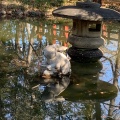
(56, 62)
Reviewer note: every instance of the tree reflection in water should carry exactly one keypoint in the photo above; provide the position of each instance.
(25, 95)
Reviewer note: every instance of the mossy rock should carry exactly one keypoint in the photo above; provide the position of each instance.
(100, 91)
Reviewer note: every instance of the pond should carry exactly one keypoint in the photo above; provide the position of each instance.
(91, 92)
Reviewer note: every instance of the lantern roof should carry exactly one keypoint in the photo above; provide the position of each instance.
(87, 11)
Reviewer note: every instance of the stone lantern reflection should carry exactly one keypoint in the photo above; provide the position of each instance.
(85, 36)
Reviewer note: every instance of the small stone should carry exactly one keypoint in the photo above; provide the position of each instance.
(9, 12)
(25, 13)
(2, 12)
(102, 92)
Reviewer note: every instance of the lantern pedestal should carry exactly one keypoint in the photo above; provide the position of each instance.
(84, 55)
(85, 49)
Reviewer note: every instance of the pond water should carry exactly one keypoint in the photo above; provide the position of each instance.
(92, 92)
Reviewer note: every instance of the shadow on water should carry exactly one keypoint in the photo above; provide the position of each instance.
(91, 92)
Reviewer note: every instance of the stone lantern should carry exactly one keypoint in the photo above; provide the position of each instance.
(85, 36)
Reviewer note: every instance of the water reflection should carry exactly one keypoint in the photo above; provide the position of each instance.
(89, 93)
(52, 90)
(112, 49)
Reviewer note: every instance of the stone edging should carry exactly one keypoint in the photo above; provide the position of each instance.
(14, 10)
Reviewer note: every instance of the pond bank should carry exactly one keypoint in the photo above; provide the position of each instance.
(18, 10)
(15, 11)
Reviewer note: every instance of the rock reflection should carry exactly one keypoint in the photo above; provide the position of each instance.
(86, 84)
(52, 90)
